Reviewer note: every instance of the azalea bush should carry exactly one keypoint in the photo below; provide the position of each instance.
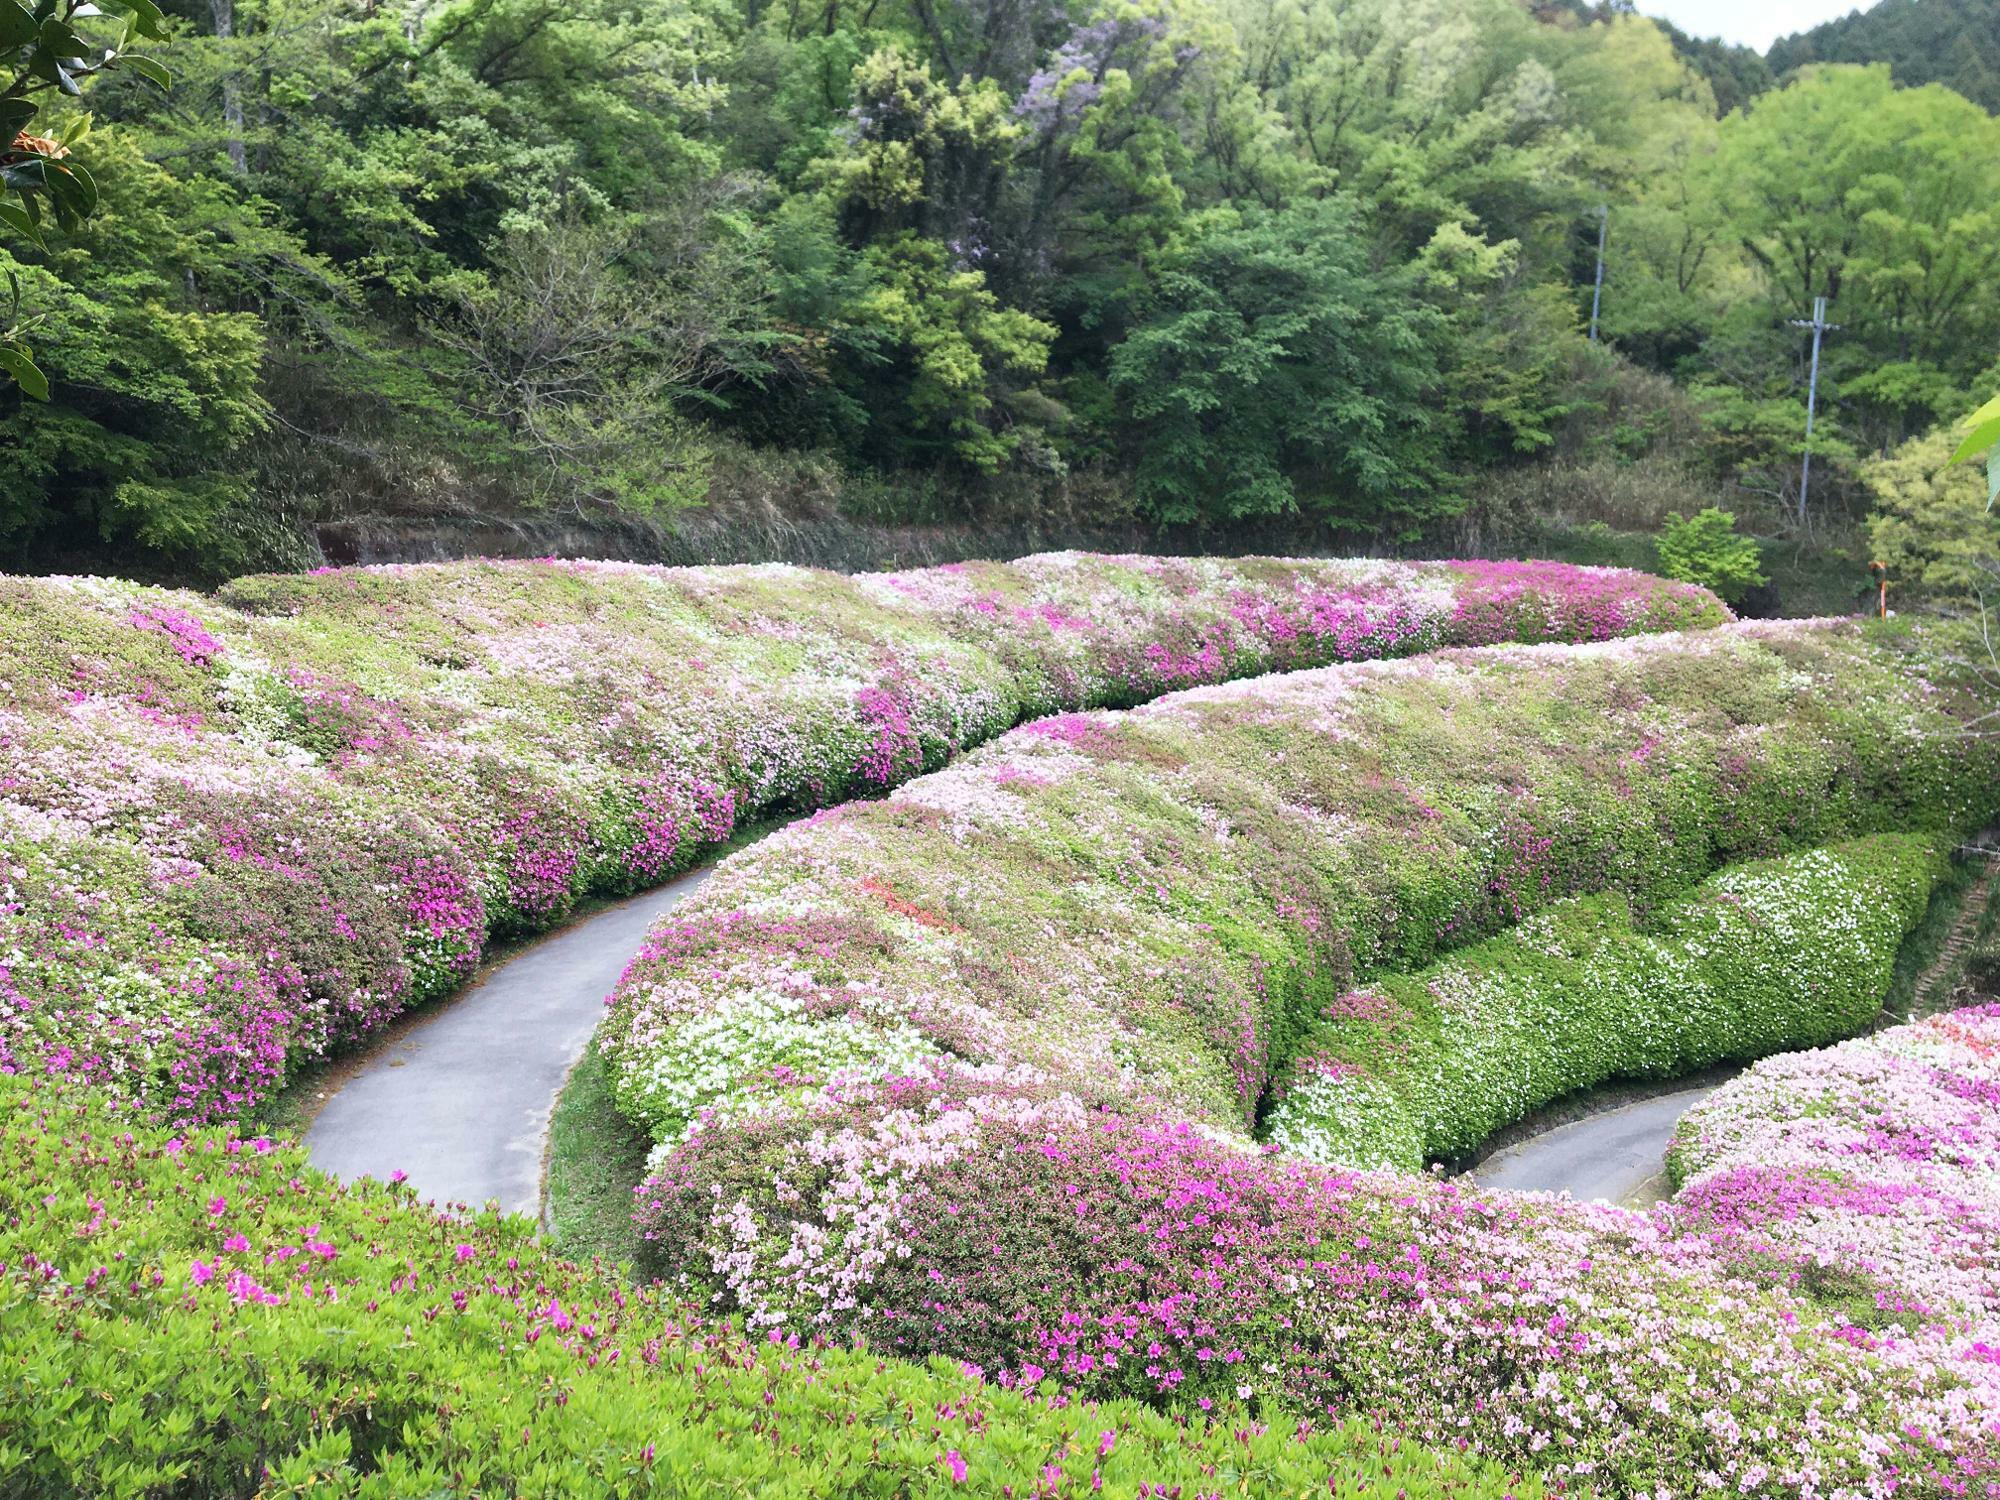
(1775, 954)
(987, 1069)
(1864, 1174)
(242, 830)
(203, 1314)
(1157, 906)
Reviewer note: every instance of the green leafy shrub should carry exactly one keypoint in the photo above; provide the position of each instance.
(1705, 549)
(1766, 956)
(1933, 528)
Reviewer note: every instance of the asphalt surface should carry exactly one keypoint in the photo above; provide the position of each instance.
(461, 1102)
(1616, 1157)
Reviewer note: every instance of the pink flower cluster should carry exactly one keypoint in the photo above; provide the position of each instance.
(236, 831)
(1868, 1174)
(1118, 1256)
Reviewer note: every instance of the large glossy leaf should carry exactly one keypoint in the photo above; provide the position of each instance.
(145, 67)
(22, 219)
(17, 26)
(146, 17)
(78, 190)
(15, 361)
(59, 39)
(1982, 431)
(45, 65)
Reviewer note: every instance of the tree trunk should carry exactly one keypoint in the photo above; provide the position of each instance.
(224, 14)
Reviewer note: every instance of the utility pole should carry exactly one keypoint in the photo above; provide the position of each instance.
(1597, 289)
(1819, 326)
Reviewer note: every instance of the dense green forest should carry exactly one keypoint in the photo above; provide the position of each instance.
(1952, 42)
(1203, 264)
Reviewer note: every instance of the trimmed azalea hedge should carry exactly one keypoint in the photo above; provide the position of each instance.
(976, 1071)
(242, 829)
(1869, 1175)
(202, 1314)
(1156, 907)
(1777, 954)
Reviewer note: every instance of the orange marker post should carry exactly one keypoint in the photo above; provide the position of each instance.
(1881, 572)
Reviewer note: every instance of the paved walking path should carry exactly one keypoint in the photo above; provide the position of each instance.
(461, 1101)
(1617, 1157)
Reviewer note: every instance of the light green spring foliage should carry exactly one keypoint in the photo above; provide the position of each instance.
(1765, 957)
(1933, 527)
(429, 1355)
(1211, 261)
(1705, 549)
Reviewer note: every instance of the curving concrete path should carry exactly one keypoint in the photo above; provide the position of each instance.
(461, 1100)
(1617, 1156)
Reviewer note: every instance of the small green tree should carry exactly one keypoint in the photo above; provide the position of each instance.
(1275, 371)
(1932, 526)
(1705, 549)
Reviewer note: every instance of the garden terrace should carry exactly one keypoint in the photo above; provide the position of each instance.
(246, 829)
(976, 1070)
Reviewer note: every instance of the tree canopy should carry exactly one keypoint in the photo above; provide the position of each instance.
(1217, 260)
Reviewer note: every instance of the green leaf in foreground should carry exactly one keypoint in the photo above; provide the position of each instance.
(17, 362)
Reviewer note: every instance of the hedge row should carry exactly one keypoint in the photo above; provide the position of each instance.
(242, 829)
(1777, 954)
(1156, 907)
(976, 1071)
(204, 1315)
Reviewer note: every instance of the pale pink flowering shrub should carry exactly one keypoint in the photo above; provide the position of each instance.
(246, 829)
(1134, 918)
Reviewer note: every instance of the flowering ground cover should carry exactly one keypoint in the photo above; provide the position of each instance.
(240, 830)
(1868, 1174)
(980, 1070)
